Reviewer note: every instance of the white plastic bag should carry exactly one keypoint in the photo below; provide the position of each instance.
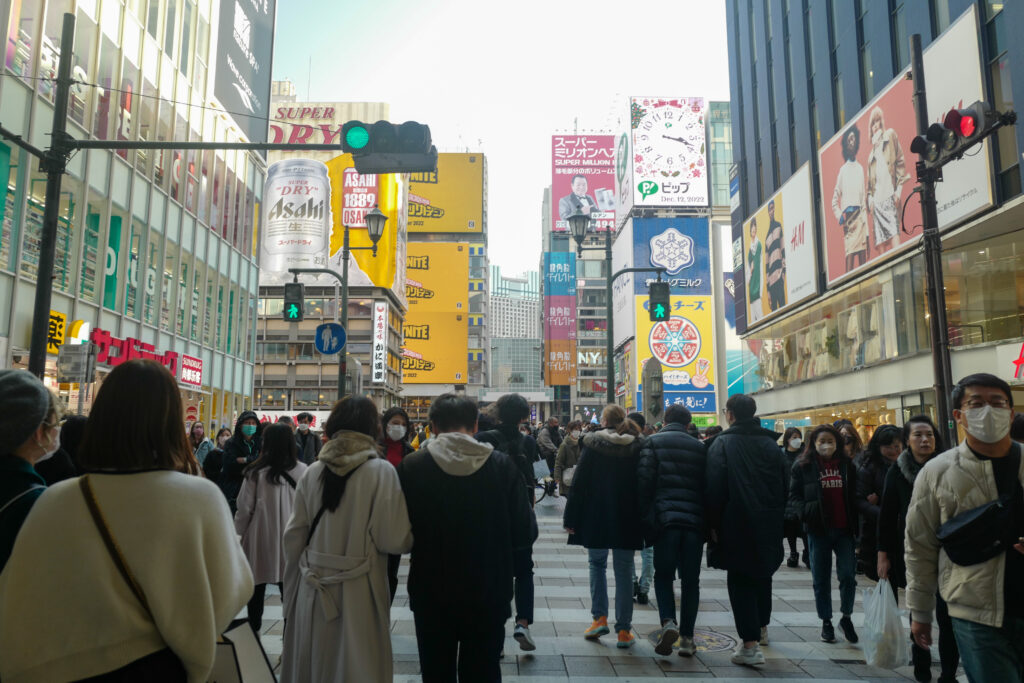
(540, 469)
(886, 643)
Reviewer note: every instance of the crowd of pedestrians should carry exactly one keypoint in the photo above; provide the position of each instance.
(152, 538)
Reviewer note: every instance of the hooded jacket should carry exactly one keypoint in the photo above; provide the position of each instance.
(671, 480)
(603, 510)
(469, 511)
(230, 480)
(746, 498)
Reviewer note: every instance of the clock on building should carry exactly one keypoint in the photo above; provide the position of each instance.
(669, 144)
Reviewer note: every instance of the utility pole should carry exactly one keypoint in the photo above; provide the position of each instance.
(53, 163)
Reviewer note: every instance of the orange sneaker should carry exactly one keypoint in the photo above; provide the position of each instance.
(626, 639)
(597, 629)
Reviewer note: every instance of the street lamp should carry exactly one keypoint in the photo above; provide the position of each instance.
(578, 224)
(375, 221)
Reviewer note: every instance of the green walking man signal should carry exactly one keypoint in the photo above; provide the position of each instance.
(294, 294)
(658, 301)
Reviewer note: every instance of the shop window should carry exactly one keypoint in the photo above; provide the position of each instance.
(21, 36)
(107, 99)
(300, 352)
(177, 169)
(211, 285)
(985, 290)
(272, 398)
(152, 280)
(221, 322)
(64, 259)
(145, 126)
(9, 172)
(275, 307)
(185, 293)
(167, 296)
(89, 287)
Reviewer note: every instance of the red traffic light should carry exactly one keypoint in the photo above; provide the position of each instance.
(968, 125)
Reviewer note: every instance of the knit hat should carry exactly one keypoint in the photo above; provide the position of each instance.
(24, 403)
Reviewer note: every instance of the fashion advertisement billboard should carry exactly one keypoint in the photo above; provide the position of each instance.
(684, 345)
(583, 180)
(779, 264)
(669, 156)
(682, 246)
(434, 351)
(450, 199)
(245, 42)
(867, 169)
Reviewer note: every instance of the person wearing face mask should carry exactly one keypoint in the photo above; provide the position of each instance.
(201, 446)
(881, 453)
(568, 456)
(985, 598)
(29, 415)
(308, 443)
(395, 446)
(822, 488)
(240, 450)
(923, 443)
(792, 444)
(215, 458)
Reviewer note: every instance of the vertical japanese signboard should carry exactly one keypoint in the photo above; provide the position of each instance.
(379, 371)
(583, 179)
(559, 318)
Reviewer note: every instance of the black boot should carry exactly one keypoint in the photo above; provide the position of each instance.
(636, 589)
(922, 660)
(793, 561)
(828, 632)
(805, 559)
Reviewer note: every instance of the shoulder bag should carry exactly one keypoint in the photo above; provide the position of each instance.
(239, 656)
(979, 534)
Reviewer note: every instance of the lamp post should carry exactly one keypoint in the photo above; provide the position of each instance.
(578, 223)
(375, 221)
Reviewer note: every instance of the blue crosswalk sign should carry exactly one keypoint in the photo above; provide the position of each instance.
(330, 338)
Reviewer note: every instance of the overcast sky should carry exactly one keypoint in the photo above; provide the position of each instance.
(502, 78)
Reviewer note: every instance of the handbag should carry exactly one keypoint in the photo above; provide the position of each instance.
(979, 534)
(239, 654)
(567, 474)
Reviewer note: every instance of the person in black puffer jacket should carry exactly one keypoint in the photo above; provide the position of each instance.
(792, 443)
(241, 449)
(885, 446)
(602, 515)
(670, 482)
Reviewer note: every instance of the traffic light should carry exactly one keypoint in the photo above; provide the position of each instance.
(385, 147)
(294, 295)
(959, 130)
(658, 301)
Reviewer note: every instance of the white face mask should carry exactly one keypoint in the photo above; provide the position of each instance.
(396, 432)
(47, 454)
(988, 424)
(303, 427)
(826, 450)
(796, 442)
(576, 433)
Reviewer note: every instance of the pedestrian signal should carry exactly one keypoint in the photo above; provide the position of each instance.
(294, 296)
(658, 301)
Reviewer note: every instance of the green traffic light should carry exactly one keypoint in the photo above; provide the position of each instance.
(293, 311)
(357, 137)
(659, 312)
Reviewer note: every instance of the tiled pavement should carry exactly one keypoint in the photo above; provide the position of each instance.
(562, 612)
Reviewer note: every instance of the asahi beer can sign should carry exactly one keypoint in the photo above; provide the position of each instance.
(297, 218)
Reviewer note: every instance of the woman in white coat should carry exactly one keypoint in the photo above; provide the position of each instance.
(264, 507)
(349, 514)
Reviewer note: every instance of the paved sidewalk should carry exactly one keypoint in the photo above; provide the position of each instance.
(562, 612)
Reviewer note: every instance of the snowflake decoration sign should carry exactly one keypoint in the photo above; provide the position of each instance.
(672, 250)
(669, 151)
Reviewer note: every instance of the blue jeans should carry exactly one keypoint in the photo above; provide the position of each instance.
(678, 549)
(822, 546)
(989, 653)
(622, 564)
(646, 569)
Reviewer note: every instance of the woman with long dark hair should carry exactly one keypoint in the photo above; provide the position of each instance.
(143, 569)
(264, 507)
(201, 446)
(792, 444)
(822, 490)
(349, 514)
(923, 442)
(885, 446)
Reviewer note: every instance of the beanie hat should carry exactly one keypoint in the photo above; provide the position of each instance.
(24, 404)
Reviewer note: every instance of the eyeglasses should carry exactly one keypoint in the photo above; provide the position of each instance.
(981, 403)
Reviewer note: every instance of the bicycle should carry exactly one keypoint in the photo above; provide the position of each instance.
(546, 487)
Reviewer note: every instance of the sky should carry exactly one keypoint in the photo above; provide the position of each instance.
(501, 78)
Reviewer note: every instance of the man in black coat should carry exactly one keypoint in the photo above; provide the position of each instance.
(469, 513)
(670, 481)
(241, 449)
(309, 444)
(746, 504)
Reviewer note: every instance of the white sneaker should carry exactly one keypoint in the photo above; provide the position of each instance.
(522, 636)
(665, 638)
(748, 657)
(764, 636)
(686, 646)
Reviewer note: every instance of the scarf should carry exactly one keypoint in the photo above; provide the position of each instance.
(347, 450)
(908, 466)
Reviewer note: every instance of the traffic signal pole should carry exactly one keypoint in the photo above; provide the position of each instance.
(343, 280)
(936, 291)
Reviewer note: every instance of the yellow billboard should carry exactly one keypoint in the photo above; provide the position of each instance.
(450, 199)
(437, 276)
(353, 195)
(684, 345)
(435, 349)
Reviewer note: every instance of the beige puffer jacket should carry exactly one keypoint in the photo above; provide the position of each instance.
(951, 483)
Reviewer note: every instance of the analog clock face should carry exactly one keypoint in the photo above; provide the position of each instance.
(669, 159)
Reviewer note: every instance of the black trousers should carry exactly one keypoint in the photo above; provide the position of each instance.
(255, 607)
(394, 561)
(522, 568)
(794, 529)
(751, 601)
(777, 295)
(459, 649)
